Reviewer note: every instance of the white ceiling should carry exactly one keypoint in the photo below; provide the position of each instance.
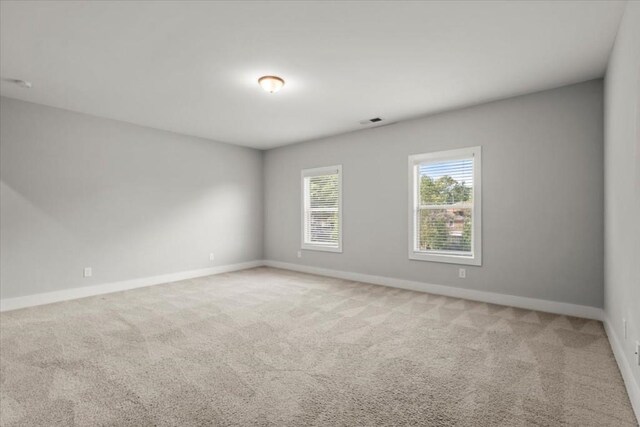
(191, 67)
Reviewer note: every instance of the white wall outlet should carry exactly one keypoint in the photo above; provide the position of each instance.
(299, 254)
(624, 328)
(638, 353)
(462, 273)
(211, 256)
(87, 272)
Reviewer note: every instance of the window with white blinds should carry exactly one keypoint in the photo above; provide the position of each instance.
(445, 217)
(322, 209)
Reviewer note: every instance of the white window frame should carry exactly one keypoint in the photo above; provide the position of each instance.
(326, 170)
(476, 225)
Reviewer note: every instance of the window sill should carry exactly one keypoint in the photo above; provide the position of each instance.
(450, 259)
(321, 248)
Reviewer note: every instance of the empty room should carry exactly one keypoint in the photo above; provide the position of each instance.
(320, 213)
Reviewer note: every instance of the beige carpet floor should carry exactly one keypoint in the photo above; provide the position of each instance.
(272, 347)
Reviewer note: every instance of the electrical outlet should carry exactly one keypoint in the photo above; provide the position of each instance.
(87, 272)
(299, 254)
(211, 257)
(462, 273)
(638, 353)
(624, 328)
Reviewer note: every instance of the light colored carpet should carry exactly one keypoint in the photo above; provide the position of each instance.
(271, 347)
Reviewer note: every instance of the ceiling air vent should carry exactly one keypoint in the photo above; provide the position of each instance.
(374, 120)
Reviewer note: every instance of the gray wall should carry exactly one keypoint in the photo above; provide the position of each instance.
(542, 195)
(128, 201)
(622, 185)
(135, 202)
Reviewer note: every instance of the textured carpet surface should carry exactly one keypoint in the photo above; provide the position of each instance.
(271, 347)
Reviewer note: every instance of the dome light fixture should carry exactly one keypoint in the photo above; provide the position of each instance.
(271, 84)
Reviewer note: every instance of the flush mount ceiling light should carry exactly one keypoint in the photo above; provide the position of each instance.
(271, 84)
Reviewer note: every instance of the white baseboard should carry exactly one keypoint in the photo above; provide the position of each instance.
(106, 288)
(471, 294)
(490, 297)
(633, 388)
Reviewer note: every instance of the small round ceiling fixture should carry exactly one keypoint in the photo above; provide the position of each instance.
(271, 84)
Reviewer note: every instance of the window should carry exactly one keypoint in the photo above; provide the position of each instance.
(322, 209)
(444, 206)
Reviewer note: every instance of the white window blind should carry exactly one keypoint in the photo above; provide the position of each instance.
(445, 211)
(321, 211)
